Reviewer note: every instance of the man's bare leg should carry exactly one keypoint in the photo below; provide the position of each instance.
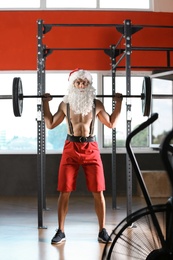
(100, 208)
(62, 212)
(63, 201)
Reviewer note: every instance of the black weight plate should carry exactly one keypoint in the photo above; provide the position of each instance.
(17, 92)
(146, 92)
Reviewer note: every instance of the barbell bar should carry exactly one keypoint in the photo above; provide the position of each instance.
(61, 96)
(17, 96)
(160, 96)
(99, 96)
(6, 96)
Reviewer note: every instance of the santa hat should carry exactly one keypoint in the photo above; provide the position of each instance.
(79, 73)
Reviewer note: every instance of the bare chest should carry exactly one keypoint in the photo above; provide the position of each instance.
(79, 119)
(79, 125)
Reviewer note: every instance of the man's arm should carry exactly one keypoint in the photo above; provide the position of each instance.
(106, 119)
(52, 121)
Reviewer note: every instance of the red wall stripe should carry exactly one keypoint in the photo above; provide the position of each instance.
(18, 45)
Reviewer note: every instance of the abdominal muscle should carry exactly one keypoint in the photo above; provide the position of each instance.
(81, 124)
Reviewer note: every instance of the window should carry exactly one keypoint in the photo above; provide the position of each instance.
(164, 107)
(136, 112)
(20, 4)
(76, 4)
(71, 4)
(125, 4)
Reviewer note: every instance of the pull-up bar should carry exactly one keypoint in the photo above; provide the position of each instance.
(119, 27)
(102, 49)
(48, 27)
(106, 25)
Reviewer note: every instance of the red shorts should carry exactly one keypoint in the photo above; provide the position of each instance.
(88, 156)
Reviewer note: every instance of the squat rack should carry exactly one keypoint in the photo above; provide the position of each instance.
(126, 30)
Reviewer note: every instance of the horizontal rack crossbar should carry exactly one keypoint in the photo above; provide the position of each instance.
(77, 49)
(102, 49)
(82, 25)
(107, 25)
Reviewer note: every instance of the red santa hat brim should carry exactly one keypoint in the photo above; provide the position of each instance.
(79, 73)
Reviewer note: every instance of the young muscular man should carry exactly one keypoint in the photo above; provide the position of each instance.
(80, 108)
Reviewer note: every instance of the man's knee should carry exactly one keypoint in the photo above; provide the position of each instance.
(64, 195)
(98, 195)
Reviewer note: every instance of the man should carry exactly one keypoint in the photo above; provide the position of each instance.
(80, 108)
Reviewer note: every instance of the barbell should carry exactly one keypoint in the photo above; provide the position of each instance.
(17, 96)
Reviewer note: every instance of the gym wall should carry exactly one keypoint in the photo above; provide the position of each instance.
(19, 177)
(18, 45)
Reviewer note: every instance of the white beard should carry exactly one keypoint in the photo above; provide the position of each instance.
(80, 100)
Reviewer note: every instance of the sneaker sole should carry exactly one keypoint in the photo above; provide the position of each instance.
(103, 241)
(62, 240)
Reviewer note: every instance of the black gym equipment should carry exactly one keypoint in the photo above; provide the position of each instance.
(18, 96)
(126, 30)
(147, 233)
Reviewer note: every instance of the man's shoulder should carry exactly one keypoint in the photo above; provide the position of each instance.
(98, 102)
(62, 106)
(62, 103)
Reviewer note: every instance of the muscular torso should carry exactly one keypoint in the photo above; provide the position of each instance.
(81, 124)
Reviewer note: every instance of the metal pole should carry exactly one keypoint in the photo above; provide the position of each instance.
(127, 35)
(43, 138)
(40, 125)
(114, 193)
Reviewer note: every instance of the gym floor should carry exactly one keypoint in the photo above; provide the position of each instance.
(20, 237)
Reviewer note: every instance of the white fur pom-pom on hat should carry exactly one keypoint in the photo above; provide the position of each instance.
(79, 73)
